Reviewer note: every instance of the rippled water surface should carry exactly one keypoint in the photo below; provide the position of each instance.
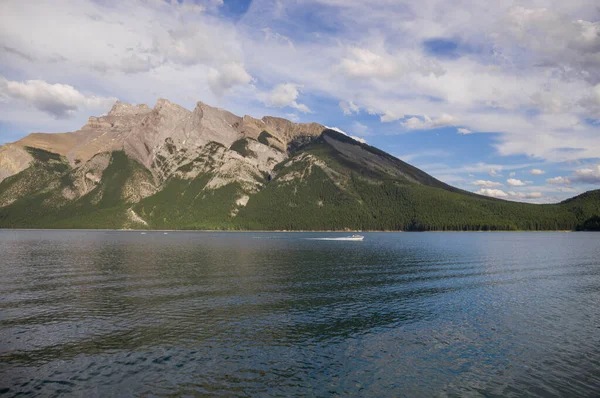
(274, 314)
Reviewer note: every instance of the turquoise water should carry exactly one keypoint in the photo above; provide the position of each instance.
(95, 313)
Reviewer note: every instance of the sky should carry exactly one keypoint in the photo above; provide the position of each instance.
(498, 98)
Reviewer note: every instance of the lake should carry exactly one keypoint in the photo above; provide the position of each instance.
(121, 313)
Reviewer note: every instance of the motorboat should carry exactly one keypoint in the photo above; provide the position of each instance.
(353, 237)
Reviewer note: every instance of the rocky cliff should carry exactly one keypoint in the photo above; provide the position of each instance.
(165, 134)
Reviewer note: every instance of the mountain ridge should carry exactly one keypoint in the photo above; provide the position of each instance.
(170, 168)
(141, 131)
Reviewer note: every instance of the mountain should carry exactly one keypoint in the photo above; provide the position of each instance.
(170, 168)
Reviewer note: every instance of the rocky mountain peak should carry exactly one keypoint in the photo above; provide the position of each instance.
(215, 113)
(125, 109)
(163, 105)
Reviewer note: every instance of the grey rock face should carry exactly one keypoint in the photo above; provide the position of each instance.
(13, 160)
(165, 138)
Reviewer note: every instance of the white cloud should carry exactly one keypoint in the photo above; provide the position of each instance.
(586, 175)
(128, 37)
(377, 63)
(494, 173)
(495, 193)
(487, 183)
(203, 41)
(525, 195)
(555, 37)
(559, 180)
(364, 63)
(425, 122)
(348, 107)
(58, 100)
(389, 116)
(589, 175)
(537, 172)
(512, 174)
(464, 131)
(230, 75)
(286, 95)
(517, 183)
(271, 35)
(511, 195)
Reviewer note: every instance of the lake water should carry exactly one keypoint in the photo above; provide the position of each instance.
(95, 313)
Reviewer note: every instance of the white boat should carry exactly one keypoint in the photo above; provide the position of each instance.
(353, 237)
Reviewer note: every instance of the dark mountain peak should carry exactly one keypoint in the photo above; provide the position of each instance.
(372, 162)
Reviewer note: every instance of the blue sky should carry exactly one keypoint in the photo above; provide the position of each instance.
(499, 99)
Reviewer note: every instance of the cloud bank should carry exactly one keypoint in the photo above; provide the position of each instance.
(58, 100)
